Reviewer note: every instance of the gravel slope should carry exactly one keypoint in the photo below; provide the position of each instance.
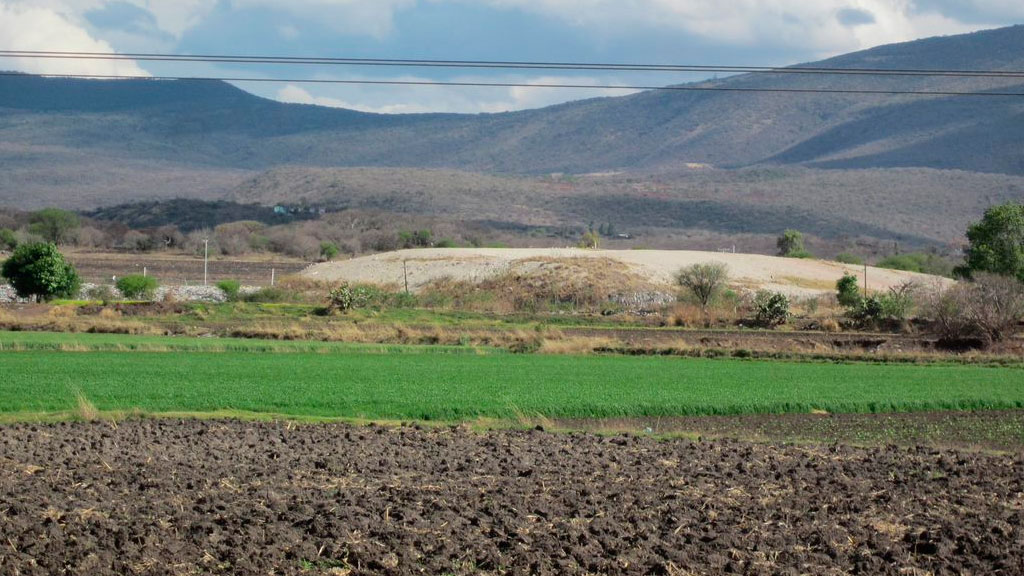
(792, 276)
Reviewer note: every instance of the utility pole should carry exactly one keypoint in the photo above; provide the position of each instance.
(206, 257)
(272, 270)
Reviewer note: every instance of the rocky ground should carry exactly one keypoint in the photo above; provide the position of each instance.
(199, 497)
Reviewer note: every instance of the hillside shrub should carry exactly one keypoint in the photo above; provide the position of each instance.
(270, 295)
(348, 297)
(328, 251)
(137, 286)
(103, 293)
(230, 288)
(771, 308)
(847, 258)
(920, 262)
(8, 241)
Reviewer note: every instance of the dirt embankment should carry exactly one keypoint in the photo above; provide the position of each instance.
(201, 497)
(421, 267)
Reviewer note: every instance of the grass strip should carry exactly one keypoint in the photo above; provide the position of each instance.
(428, 386)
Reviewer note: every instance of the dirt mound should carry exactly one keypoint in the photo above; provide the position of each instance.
(655, 267)
(166, 497)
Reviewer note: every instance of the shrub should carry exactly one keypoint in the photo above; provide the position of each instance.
(704, 281)
(230, 288)
(8, 241)
(39, 270)
(269, 295)
(445, 243)
(347, 297)
(591, 240)
(989, 309)
(137, 286)
(997, 305)
(772, 308)
(103, 293)
(920, 262)
(328, 250)
(415, 239)
(847, 258)
(847, 292)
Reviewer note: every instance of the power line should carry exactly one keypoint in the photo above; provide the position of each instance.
(487, 64)
(677, 88)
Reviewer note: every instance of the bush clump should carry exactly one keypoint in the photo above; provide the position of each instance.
(138, 287)
(771, 308)
(230, 288)
(348, 297)
(987, 309)
(40, 271)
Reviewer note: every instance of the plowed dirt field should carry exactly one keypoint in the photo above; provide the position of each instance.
(202, 497)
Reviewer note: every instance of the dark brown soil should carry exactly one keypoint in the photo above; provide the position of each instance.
(195, 497)
(996, 430)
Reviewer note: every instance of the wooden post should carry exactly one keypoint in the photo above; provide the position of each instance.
(405, 273)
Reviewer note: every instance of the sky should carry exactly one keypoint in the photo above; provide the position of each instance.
(716, 32)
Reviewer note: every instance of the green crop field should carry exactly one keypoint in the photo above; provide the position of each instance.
(431, 383)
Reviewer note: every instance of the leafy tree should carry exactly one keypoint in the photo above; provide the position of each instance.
(996, 243)
(40, 271)
(137, 286)
(847, 292)
(53, 224)
(704, 281)
(791, 245)
(7, 239)
(328, 250)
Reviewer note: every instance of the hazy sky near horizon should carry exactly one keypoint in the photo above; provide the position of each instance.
(737, 32)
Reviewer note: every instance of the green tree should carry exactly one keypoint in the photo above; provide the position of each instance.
(328, 250)
(847, 292)
(791, 244)
(40, 271)
(996, 243)
(7, 239)
(53, 224)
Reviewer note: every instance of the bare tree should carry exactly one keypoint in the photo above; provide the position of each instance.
(705, 281)
(989, 308)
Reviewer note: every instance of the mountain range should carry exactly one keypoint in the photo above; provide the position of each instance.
(88, 143)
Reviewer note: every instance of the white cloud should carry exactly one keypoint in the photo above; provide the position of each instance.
(34, 28)
(813, 26)
(467, 99)
(373, 18)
